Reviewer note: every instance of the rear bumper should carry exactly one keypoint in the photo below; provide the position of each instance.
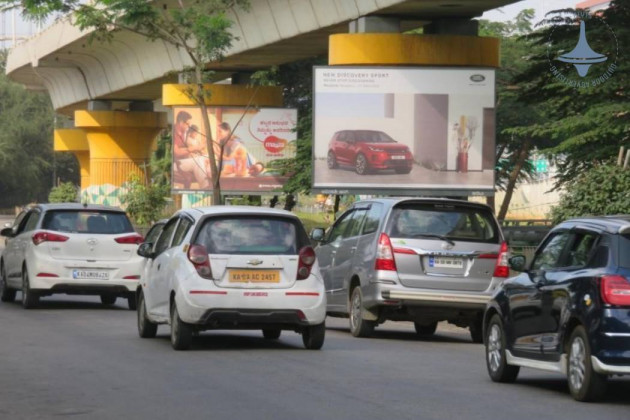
(608, 369)
(87, 289)
(253, 319)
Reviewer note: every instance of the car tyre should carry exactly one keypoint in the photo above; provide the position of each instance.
(403, 170)
(313, 336)
(331, 160)
(359, 327)
(108, 299)
(146, 328)
(181, 332)
(29, 298)
(271, 333)
(584, 383)
(425, 329)
(476, 331)
(132, 302)
(6, 294)
(496, 360)
(361, 164)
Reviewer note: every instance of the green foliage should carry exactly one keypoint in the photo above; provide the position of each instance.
(161, 162)
(602, 190)
(144, 203)
(66, 192)
(28, 166)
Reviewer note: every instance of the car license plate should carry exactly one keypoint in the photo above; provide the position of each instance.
(398, 157)
(446, 262)
(90, 275)
(254, 276)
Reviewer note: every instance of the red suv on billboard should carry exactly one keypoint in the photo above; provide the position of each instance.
(367, 151)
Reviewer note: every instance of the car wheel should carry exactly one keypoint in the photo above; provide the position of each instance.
(476, 331)
(271, 334)
(403, 170)
(331, 160)
(425, 329)
(584, 383)
(361, 164)
(313, 336)
(496, 361)
(131, 302)
(108, 299)
(359, 327)
(181, 332)
(29, 298)
(6, 294)
(146, 328)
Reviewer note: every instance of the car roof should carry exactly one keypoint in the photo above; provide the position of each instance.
(198, 212)
(611, 224)
(77, 206)
(391, 201)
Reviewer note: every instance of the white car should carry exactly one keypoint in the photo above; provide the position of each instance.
(74, 249)
(229, 267)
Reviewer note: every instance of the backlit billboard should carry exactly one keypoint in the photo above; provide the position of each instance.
(404, 130)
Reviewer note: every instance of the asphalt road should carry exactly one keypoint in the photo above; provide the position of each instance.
(75, 358)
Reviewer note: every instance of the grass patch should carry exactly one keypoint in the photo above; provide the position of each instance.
(313, 220)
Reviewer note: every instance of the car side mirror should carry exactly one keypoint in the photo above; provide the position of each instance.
(146, 250)
(318, 234)
(8, 232)
(517, 263)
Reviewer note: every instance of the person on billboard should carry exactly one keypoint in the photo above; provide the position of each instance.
(188, 162)
(237, 161)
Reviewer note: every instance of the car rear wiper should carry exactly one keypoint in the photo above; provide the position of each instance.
(434, 235)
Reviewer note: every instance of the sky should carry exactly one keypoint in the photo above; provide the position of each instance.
(540, 6)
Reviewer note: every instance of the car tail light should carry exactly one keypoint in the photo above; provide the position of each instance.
(198, 256)
(41, 237)
(131, 239)
(384, 254)
(502, 269)
(306, 259)
(615, 290)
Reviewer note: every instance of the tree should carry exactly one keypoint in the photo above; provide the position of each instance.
(66, 192)
(585, 123)
(144, 201)
(199, 28)
(601, 190)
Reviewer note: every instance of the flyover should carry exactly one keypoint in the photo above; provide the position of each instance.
(95, 82)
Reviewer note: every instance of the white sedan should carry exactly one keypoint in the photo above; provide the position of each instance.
(228, 267)
(71, 248)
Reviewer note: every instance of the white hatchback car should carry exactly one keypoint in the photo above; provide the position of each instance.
(230, 267)
(74, 249)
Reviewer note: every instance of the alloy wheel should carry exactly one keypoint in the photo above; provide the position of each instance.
(494, 348)
(361, 165)
(355, 311)
(577, 363)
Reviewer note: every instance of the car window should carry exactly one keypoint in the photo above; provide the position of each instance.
(87, 221)
(340, 227)
(164, 240)
(350, 137)
(373, 218)
(31, 221)
(550, 255)
(455, 221)
(582, 249)
(19, 218)
(182, 230)
(341, 136)
(356, 223)
(154, 233)
(252, 235)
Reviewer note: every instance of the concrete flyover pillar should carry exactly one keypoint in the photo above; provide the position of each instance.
(75, 141)
(120, 145)
(220, 95)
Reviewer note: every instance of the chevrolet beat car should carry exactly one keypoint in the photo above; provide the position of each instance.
(230, 267)
(412, 259)
(367, 151)
(73, 249)
(569, 309)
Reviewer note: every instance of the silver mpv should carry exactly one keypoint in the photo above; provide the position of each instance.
(412, 259)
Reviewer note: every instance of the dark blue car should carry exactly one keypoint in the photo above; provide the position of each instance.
(569, 309)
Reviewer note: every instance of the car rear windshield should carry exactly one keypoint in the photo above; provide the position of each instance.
(87, 221)
(453, 221)
(252, 235)
(624, 251)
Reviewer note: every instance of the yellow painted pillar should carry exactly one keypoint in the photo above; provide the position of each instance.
(220, 95)
(75, 141)
(120, 144)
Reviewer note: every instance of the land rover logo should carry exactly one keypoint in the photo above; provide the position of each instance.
(477, 78)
